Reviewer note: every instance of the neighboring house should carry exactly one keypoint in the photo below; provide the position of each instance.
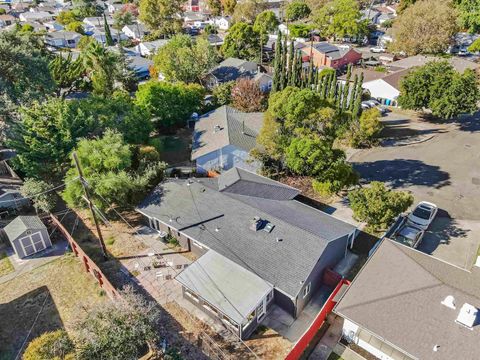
(370, 15)
(7, 20)
(114, 7)
(40, 16)
(230, 70)
(336, 57)
(53, 26)
(215, 40)
(63, 39)
(149, 48)
(140, 66)
(10, 183)
(196, 5)
(256, 223)
(223, 139)
(135, 31)
(387, 88)
(459, 64)
(264, 81)
(96, 21)
(98, 33)
(405, 305)
(222, 22)
(28, 235)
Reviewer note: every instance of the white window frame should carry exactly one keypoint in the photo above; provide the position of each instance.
(306, 290)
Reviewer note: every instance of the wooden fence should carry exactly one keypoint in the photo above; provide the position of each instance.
(88, 263)
(302, 344)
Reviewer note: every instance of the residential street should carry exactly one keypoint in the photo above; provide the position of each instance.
(442, 169)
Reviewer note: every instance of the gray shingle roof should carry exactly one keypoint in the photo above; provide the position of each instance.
(221, 221)
(232, 68)
(236, 128)
(225, 285)
(398, 294)
(22, 223)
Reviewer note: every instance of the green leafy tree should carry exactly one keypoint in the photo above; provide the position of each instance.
(75, 26)
(339, 175)
(425, 27)
(101, 67)
(297, 10)
(340, 18)
(185, 59)
(169, 104)
(404, 4)
(215, 7)
(469, 14)
(266, 22)
(299, 30)
(24, 72)
(44, 202)
(241, 42)
(222, 94)
(68, 74)
(438, 87)
(66, 17)
(108, 34)
(475, 46)
(364, 132)
(54, 345)
(161, 15)
(229, 6)
(377, 205)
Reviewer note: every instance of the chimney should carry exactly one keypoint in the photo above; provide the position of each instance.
(256, 223)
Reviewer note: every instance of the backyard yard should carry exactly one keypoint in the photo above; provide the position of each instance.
(5, 264)
(174, 149)
(50, 297)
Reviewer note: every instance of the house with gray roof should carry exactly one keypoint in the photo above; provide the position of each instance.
(405, 304)
(223, 138)
(269, 239)
(28, 235)
(63, 39)
(230, 69)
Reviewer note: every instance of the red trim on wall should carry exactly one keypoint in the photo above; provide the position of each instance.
(308, 336)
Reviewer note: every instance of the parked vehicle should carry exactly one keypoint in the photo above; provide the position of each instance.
(409, 235)
(423, 214)
(383, 110)
(377, 50)
(365, 105)
(372, 103)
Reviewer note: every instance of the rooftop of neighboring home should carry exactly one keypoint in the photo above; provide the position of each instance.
(368, 75)
(67, 35)
(225, 126)
(232, 68)
(331, 51)
(155, 44)
(419, 60)
(229, 287)
(221, 213)
(414, 301)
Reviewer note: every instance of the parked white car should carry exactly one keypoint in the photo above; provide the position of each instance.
(423, 214)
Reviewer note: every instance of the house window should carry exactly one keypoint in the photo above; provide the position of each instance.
(306, 289)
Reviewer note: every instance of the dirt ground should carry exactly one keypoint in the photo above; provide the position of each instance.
(59, 293)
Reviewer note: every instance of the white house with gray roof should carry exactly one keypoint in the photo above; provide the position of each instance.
(275, 241)
(223, 138)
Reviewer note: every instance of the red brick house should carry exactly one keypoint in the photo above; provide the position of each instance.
(336, 57)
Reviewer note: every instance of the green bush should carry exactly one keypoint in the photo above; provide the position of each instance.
(54, 345)
(365, 132)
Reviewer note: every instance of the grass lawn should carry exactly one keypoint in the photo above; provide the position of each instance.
(59, 293)
(5, 264)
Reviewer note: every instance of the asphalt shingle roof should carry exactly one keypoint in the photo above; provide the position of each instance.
(236, 128)
(398, 294)
(221, 220)
(225, 285)
(232, 68)
(22, 223)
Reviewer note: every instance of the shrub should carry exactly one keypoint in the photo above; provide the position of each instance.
(54, 345)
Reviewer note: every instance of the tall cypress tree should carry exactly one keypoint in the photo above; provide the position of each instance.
(277, 63)
(346, 87)
(284, 79)
(315, 81)
(291, 62)
(299, 69)
(353, 91)
(108, 34)
(358, 98)
(310, 75)
(333, 86)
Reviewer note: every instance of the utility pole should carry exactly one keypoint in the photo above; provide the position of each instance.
(90, 205)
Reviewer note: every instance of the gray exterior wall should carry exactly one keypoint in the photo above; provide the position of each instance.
(334, 252)
(18, 247)
(284, 302)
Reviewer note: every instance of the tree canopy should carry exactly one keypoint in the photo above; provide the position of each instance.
(378, 205)
(169, 104)
(297, 10)
(469, 14)
(425, 27)
(340, 18)
(55, 345)
(247, 10)
(161, 15)
(242, 41)
(185, 59)
(44, 202)
(438, 87)
(266, 22)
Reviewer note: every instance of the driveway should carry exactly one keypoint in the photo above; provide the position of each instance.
(444, 170)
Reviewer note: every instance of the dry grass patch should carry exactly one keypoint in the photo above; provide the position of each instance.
(5, 264)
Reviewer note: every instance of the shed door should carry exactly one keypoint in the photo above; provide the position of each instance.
(27, 245)
(38, 242)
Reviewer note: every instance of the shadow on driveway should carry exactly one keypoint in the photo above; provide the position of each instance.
(402, 173)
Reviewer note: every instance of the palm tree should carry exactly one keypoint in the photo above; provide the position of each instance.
(100, 65)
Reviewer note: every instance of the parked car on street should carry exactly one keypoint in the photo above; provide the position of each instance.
(377, 50)
(423, 214)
